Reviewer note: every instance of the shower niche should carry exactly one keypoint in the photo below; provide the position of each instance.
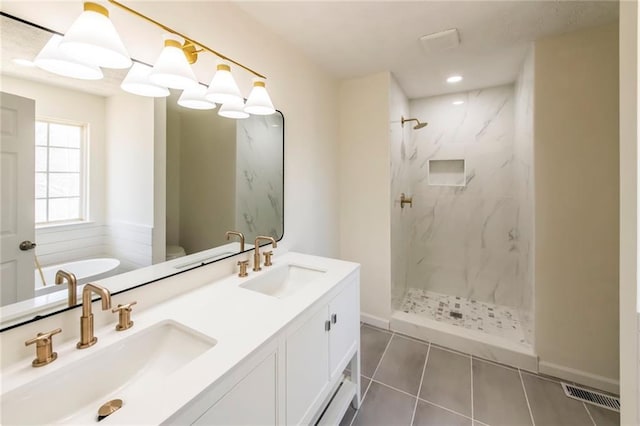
(447, 172)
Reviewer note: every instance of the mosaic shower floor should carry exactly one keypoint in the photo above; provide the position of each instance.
(471, 314)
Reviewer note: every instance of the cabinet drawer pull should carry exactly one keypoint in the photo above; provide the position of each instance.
(334, 318)
(327, 325)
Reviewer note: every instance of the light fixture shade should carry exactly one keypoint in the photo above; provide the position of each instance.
(259, 102)
(193, 97)
(233, 109)
(171, 68)
(137, 82)
(92, 38)
(223, 88)
(52, 59)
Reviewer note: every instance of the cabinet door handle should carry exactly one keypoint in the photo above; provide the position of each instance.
(327, 325)
(334, 318)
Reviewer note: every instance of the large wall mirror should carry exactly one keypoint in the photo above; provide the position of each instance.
(120, 189)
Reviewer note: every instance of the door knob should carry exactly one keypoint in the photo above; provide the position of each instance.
(27, 245)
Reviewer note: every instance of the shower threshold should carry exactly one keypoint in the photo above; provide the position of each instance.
(489, 331)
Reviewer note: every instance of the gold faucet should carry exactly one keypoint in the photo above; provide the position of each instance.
(72, 283)
(256, 254)
(86, 320)
(228, 234)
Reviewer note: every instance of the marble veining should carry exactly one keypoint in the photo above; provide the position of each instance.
(259, 194)
(470, 241)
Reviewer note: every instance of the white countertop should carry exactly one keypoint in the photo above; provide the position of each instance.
(240, 320)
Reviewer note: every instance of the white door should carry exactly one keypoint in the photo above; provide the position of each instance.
(17, 214)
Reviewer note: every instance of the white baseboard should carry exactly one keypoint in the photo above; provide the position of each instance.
(374, 321)
(580, 377)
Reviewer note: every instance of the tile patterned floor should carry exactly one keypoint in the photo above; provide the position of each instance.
(481, 316)
(414, 383)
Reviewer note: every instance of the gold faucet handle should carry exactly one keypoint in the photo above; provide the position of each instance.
(124, 317)
(44, 348)
(243, 264)
(267, 258)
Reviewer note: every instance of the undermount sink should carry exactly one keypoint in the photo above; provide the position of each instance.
(283, 281)
(132, 366)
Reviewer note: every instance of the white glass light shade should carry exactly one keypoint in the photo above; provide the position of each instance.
(171, 68)
(259, 102)
(223, 88)
(137, 82)
(52, 59)
(193, 97)
(92, 38)
(233, 109)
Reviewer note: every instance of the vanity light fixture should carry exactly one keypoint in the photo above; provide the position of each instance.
(259, 102)
(171, 68)
(137, 82)
(223, 88)
(54, 60)
(233, 109)
(92, 38)
(454, 79)
(193, 97)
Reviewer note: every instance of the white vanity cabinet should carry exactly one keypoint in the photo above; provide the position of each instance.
(318, 352)
(258, 387)
(291, 379)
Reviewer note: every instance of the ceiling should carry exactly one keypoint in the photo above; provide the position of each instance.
(356, 38)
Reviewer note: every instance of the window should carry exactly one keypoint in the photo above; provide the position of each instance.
(60, 172)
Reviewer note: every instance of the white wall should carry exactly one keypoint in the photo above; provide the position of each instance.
(130, 164)
(365, 174)
(71, 242)
(629, 304)
(576, 131)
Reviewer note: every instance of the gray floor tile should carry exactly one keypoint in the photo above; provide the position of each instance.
(430, 415)
(498, 397)
(346, 419)
(603, 417)
(549, 404)
(447, 380)
(385, 407)
(402, 364)
(372, 345)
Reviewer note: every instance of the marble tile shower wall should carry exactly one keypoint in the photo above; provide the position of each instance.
(469, 241)
(259, 166)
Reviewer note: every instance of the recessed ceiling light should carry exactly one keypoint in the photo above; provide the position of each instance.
(23, 62)
(457, 102)
(454, 79)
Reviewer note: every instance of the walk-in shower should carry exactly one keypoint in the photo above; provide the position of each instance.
(461, 256)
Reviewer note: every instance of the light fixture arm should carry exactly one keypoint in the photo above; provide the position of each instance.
(187, 39)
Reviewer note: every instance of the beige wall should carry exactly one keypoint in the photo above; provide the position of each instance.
(576, 212)
(364, 165)
(207, 179)
(629, 306)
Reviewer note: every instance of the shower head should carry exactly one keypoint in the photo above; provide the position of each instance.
(417, 126)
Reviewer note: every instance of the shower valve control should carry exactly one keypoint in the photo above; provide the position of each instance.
(405, 200)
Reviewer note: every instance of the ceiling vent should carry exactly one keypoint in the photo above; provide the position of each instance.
(440, 41)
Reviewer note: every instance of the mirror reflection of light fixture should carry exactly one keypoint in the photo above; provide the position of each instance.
(92, 38)
(233, 109)
(52, 59)
(171, 68)
(193, 97)
(223, 88)
(137, 82)
(259, 102)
